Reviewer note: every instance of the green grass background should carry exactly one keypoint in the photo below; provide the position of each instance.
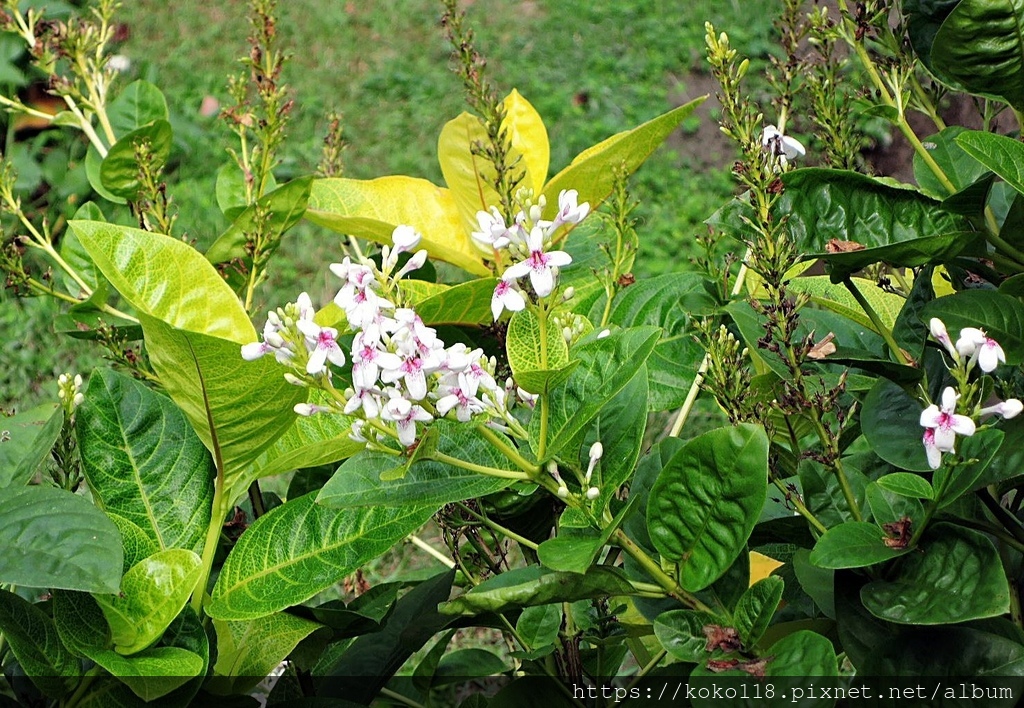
(592, 68)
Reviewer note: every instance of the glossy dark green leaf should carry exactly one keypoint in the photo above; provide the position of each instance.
(138, 104)
(801, 654)
(232, 198)
(535, 585)
(370, 661)
(668, 301)
(120, 168)
(34, 641)
(956, 577)
(898, 226)
(818, 583)
(606, 366)
(364, 614)
(975, 454)
(357, 483)
(999, 153)
(575, 552)
(756, 607)
(853, 544)
(55, 539)
(462, 664)
(924, 17)
(706, 501)
(1000, 316)
(961, 168)
(143, 460)
(681, 633)
(285, 206)
(25, 441)
(465, 303)
(263, 575)
(890, 420)
(647, 471)
(954, 652)
(152, 594)
(979, 48)
(888, 507)
(247, 651)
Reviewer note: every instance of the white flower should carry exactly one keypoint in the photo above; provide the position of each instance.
(507, 296)
(1010, 408)
(405, 238)
(462, 398)
(119, 63)
(596, 451)
(404, 414)
(939, 334)
(323, 346)
(979, 346)
(945, 422)
(493, 234)
(931, 449)
(308, 409)
(781, 146)
(538, 265)
(568, 211)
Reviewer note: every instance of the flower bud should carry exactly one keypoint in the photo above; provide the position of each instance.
(593, 493)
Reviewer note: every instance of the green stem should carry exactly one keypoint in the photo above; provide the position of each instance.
(83, 686)
(876, 321)
(654, 570)
(801, 508)
(436, 554)
(542, 323)
(219, 512)
(405, 700)
(482, 469)
(1008, 520)
(648, 667)
(498, 528)
(508, 451)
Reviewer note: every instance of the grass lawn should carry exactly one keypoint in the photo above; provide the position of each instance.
(591, 67)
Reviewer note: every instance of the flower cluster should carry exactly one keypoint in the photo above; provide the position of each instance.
(528, 241)
(402, 373)
(942, 423)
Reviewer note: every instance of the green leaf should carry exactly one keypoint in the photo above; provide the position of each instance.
(924, 17)
(907, 485)
(890, 420)
(152, 594)
(898, 226)
(539, 357)
(979, 48)
(592, 172)
(838, 299)
(962, 169)
(538, 626)
(668, 301)
(232, 198)
(75, 256)
(999, 153)
(357, 483)
(371, 660)
(681, 633)
(1000, 316)
(462, 304)
(144, 462)
(311, 441)
(818, 583)
(120, 168)
(26, 440)
(80, 622)
(957, 577)
(55, 539)
(248, 651)
(756, 607)
(136, 543)
(33, 638)
(953, 651)
(285, 207)
(576, 551)
(535, 585)
(371, 209)
(982, 447)
(463, 664)
(194, 327)
(153, 673)
(363, 615)
(606, 366)
(888, 507)
(139, 104)
(706, 501)
(263, 575)
(853, 544)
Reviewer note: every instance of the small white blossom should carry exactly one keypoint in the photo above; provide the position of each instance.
(507, 296)
(568, 211)
(539, 265)
(493, 233)
(323, 346)
(945, 422)
(939, 334)
(1010, 408)
(405, 238)
(931, 450)
(405, 414)
(979, 346)
(593, 493)
(308, 409)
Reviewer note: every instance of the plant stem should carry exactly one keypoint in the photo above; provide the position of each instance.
(423, 545)
(801, 508)
(498, 528)
(508, 451)
(655, 660)
(880, 327)
(217, 515)
(654, 570)
(482, 469)
(405, 700)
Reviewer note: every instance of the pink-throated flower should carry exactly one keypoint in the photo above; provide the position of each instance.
(945, 424)
(539, 265)
(979, 346)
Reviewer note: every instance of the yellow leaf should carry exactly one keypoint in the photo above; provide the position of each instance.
(529, 138)
(941, 282)
(761, 566)
(371, 209)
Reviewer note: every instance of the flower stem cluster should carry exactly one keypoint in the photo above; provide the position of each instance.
(528, 241)
(403, 375)
(942, 423)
